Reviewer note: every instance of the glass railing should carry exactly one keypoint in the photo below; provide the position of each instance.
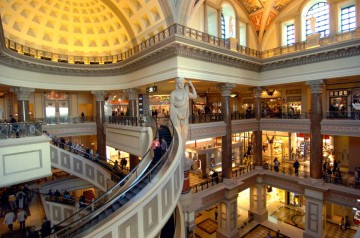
(20, 129)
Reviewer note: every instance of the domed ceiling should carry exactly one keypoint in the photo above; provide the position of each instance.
(94, 27)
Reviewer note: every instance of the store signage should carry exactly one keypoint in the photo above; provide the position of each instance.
(151, 89)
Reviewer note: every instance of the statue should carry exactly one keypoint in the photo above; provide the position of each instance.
(179, 105)
(312, 24)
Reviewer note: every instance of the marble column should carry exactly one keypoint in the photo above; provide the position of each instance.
(100, 120)
(226, 146)
(315, 214)
(315, 129)
(146, 105)
(227, 216)
(189, 219)
(132, 95)
(203, 161)
(257, 199)
(333, 11)
(257, 143)
(23, 97)
(357, 13)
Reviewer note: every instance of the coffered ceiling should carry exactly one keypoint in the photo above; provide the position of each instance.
(104, 27)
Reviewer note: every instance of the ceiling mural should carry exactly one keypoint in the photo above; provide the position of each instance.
(257, 11)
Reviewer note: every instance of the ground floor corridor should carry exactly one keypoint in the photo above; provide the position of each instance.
(288, 219)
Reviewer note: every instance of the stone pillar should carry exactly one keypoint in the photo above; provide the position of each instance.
(258, 209)
(190, 224)
(134, 160)
(146, 105)
(132, 95)
(315, 129)
(315, 214)
(333, 11)
(357, 13)
(203, 160)
(100, 120)
(227, 218)
(226, 146)
(23, 97)
(257, 143)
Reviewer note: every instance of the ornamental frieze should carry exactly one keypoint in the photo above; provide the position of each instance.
(282, 183)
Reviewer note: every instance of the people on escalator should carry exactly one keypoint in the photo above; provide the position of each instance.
(45, 227)
(164, 146)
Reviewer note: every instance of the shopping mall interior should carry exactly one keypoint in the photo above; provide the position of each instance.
(272, 129)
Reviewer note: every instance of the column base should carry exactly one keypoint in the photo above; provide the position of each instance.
(186, 184)
(221, 234)
(312, 235)
(258, 217)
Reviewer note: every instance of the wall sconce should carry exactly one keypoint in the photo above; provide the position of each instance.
(270, 92)
(234, 95)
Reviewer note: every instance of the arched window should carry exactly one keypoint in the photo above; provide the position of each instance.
(317, 19)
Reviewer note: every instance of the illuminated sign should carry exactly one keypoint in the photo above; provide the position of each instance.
(151, 89)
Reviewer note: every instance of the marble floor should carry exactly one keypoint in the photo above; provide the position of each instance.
(34, 219)
(289, 220)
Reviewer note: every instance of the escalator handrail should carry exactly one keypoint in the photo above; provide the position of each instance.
(75, 225)
(119, 184)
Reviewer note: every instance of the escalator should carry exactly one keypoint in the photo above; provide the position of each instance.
(148, 178)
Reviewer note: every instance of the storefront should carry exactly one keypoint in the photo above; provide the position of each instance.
(160, 104)
(275, 144)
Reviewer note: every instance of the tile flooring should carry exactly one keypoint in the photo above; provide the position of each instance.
(288, 219)
(34, 219)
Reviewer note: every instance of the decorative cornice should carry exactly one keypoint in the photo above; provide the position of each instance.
(316, 55)
(289, 125)
(340, 127)
(171, 48)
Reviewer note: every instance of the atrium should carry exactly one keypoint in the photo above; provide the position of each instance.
(274, 130)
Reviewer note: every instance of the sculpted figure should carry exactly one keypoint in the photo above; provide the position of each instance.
(179, 105)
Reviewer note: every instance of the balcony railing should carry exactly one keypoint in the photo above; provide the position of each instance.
(65, 120)
(130, 121)
(179, 30)
(354, 115)
(20, 129)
